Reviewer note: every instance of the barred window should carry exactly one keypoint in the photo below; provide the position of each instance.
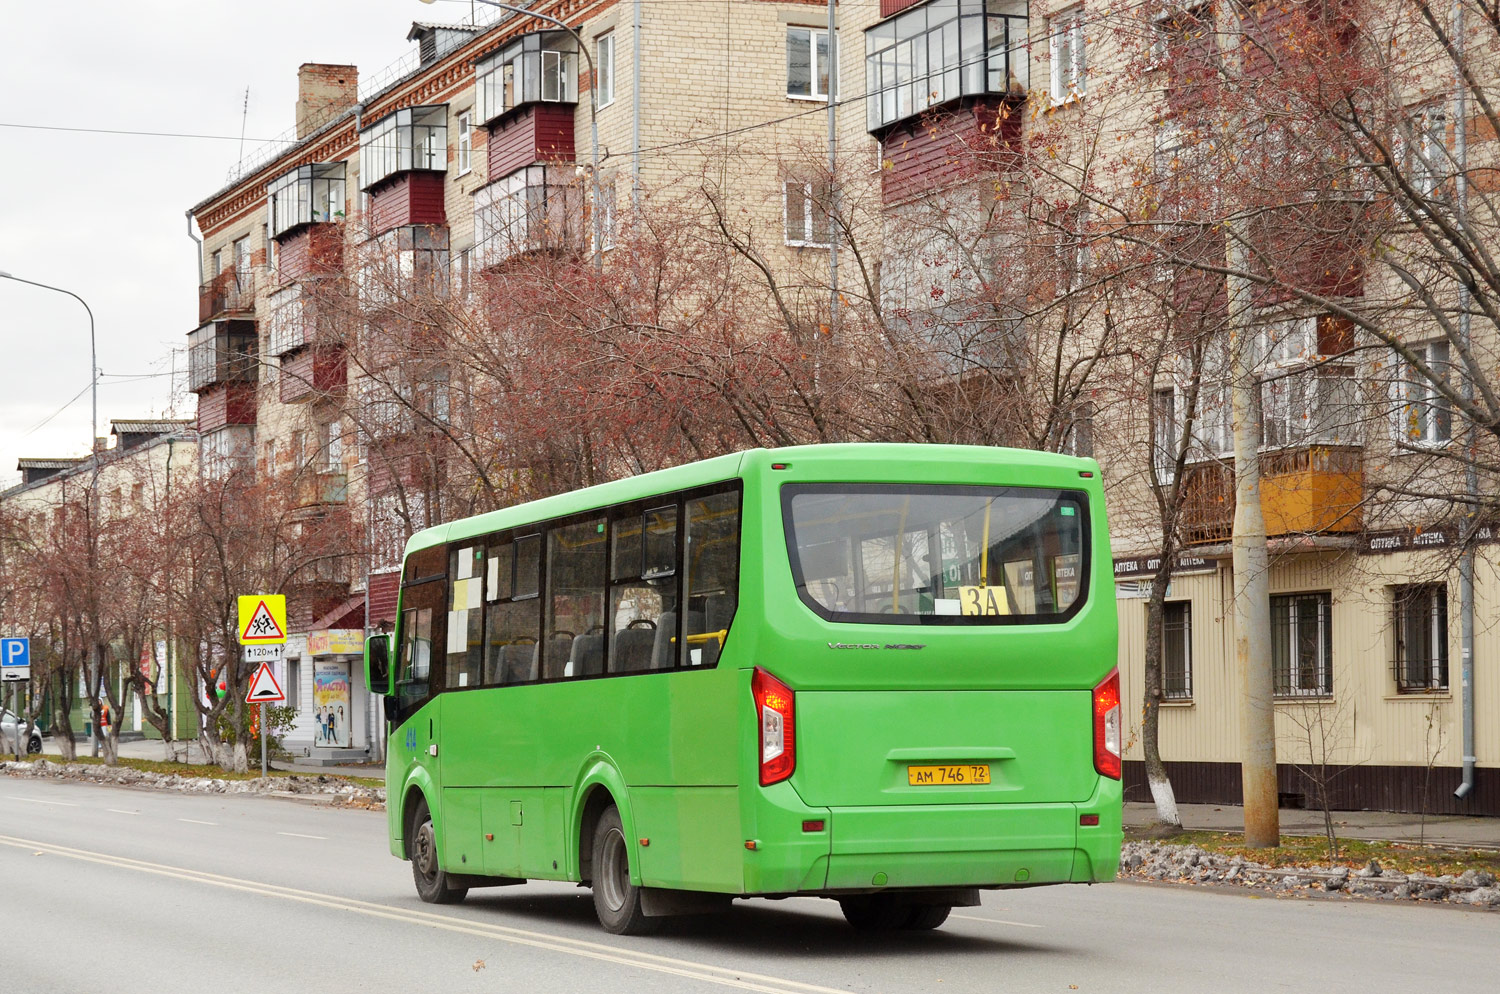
(1420, 622)
(1177, 650)
(1302, 644)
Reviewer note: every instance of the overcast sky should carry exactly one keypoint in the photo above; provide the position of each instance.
(102, 214)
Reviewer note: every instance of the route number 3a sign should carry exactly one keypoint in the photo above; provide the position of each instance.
(262, 619)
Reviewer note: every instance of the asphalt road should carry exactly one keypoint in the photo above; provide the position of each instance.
(124, 891)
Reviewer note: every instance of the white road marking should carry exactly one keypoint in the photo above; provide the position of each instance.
(117, 811)
(38, 800)
(996, 921)
(299, 835)
(195, 821)
(625, 956)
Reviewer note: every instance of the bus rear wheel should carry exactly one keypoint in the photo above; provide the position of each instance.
(433, 885)
(888, 913)
(616, 900)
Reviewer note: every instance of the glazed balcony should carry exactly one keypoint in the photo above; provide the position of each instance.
(222, 352)
(308, 195)
(539, 67)
(535, 209)
(1312, 490)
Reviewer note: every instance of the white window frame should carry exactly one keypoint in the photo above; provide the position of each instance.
(806, 235)
(1425, 154)
(1065, 38)
(606, 205)
(465, 142)
(1166, 425)
(1291, 632)
(604, 63)
(812, 35)
(1417, 403)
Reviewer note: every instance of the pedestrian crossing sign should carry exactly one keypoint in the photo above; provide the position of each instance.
(263, 687)
(262, 619)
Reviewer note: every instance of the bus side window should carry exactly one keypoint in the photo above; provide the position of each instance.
(643, 597)
(576, 581)
(465, 617)
(712, 583)
(512, 620)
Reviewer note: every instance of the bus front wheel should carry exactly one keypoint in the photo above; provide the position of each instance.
(616, 900)
(432, 881)
(887, 913)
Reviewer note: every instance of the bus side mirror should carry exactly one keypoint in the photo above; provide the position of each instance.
(378, 664)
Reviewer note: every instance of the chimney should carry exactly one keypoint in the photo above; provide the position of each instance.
(323, 93)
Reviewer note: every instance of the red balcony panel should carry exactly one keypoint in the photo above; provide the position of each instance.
(380, 597)
(310, 252)
(408, 199)
(536, 133)
(948, 145)
(889, 7)
(226, 404)
(310, 373)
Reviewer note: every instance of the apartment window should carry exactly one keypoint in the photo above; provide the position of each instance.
(1302, 644)
(1425, 153)
(604, 65)
(807, 220)
(1423, 415)
(1079, 440)
(1419, 621)
(242, 261)
(331, 447)
(219, 265)
(807, 64)
(414, 138)
(1065, 33)
(465, 143)
(1164, 423)
(1177, 650)
(1309, 406)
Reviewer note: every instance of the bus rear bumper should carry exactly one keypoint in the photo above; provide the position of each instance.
(961, 845)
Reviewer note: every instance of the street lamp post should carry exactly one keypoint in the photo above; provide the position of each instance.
(593, 115)
(93, 446)
(93, 357)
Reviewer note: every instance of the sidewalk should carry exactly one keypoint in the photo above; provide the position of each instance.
(1444, 830)
(153, 749)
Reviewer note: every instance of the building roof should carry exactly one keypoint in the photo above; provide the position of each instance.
(157, 426)
(419, 26)
(63, 463)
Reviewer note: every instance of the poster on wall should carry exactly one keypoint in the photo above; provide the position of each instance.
(331, 704)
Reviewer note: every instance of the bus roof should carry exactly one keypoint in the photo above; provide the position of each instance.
(894, 457)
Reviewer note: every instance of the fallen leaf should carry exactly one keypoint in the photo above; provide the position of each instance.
(478, 965)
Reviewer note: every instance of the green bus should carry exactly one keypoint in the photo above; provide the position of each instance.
(882, 674)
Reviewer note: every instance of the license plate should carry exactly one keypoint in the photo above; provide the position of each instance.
(948, 775)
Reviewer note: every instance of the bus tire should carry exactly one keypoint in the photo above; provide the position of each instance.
(616, 900)
(875, 912)
(432, 881)
(925, 917)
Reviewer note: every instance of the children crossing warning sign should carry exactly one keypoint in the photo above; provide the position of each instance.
(262, 619)
(263, 687)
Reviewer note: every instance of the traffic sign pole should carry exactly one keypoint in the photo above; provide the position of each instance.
(262, 741)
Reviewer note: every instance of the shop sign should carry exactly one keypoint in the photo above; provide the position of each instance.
(336, 642)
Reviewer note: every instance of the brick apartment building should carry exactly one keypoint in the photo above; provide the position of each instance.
(477, 150)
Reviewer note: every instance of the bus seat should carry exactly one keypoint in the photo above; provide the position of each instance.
(586, 658)
(554, 654)
(664, 644)
(631, 651)
(518, 662)
(494, 665)
(718, 612)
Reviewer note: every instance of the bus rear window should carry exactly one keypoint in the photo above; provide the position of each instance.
(900, 554)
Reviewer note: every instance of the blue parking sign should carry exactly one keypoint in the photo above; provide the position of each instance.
(15, 659)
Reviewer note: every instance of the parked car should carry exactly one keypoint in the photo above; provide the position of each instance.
(9, 724)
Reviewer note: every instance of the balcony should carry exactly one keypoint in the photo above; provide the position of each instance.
(222, 351)
(535, 209)
(540, 67)
(321, 488)
(231, 293)
(1314, 490)
(411, 140)
(311, 194)
(312, 253)
(935, 53)
(313, 373)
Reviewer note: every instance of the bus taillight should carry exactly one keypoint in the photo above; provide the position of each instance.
(1107, 726)
(777, 706)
